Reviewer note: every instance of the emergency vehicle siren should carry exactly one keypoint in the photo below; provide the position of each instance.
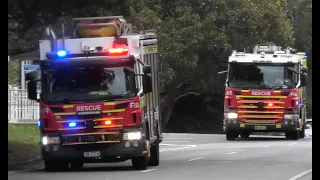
(72, 124)
(61, 53)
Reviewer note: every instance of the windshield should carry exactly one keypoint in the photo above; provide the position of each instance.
(67, 84)
(262, 76)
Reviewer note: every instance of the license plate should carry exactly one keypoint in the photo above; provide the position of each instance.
(91, 154)
(260, 127)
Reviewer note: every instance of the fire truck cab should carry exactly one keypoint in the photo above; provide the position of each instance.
(99, 99)
(265, 91)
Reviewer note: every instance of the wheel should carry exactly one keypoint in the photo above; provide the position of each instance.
(76, 165)
(55, 165)
(302, 133)
(155, 154)
(140, 163)
(292, 135)
(244, 134)
(231, 135)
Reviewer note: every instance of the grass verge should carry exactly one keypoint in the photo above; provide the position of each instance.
(23, 142)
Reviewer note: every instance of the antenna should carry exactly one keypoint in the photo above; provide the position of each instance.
(63, 36)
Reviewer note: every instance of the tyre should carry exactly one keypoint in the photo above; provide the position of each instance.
(231, 135)
(56, 165)
(76, 165)
(244, 134)
(140, 163)
(154, 159)
(302, 133)
(292, 135)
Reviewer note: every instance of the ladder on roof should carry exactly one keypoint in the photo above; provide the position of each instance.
(268, 49)
(107, 26)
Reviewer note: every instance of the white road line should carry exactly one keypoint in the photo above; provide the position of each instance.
(292, 144)
(25, 170)
(266, 146)
(301, 174)
(168, 144)
(206, 140)
(179, 138)
(12, 172)
(148, 170)
(174, 149)
(232, 153)
(177, 141)
(195, 159)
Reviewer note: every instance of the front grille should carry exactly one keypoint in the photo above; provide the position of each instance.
(91, 138)
(84, 117)
(260, 109)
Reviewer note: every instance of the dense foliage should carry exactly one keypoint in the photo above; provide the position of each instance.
(195, 39)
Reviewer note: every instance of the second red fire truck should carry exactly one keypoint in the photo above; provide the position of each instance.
(266, 92)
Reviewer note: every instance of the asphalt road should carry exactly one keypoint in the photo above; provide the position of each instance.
(202, 157)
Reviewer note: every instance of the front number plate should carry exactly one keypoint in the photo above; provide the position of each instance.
(260, 128)
(91, 154)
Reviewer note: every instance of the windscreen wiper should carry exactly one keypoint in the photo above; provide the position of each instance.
(277, 87)
(69, 101)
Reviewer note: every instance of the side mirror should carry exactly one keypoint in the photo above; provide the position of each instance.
(303, 80)
(30, 76)
(147, 84)
(304, 70)
(146, 69)
(32, 90)
(222, 76)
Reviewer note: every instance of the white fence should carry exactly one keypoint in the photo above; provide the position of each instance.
(20, 108)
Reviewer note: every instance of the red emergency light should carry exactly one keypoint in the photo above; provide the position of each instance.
(270, 104)
(119, 47)
(118, 51)
(108, 122)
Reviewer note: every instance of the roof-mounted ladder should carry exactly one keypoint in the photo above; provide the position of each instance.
(101, 26)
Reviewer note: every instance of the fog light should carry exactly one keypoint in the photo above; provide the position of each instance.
(135, 144)
(234, 122)
(127, 144)
(55, 148)
(47, 148)
(286, 122)
(292, 123)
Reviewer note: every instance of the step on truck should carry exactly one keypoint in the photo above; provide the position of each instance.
(99, 95)
(265, 92)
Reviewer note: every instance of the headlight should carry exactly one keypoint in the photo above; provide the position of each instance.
(291, 116)
(50, 140)
(231, 115)
(132, 136)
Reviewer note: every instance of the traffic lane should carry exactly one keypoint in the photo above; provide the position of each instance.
(176, 163)
(173, 158)
(280, 162)
(220, 142)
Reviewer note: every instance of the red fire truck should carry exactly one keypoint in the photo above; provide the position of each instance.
(99, 99)
(265, 92)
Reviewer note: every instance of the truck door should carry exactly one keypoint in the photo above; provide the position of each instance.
(150, 57)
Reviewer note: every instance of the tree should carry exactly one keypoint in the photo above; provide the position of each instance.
(195, 38)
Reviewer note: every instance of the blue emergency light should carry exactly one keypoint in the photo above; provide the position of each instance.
(61, 53)
(39, 123)
(72, 124)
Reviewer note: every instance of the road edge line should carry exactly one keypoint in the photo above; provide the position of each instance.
(301, 174)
